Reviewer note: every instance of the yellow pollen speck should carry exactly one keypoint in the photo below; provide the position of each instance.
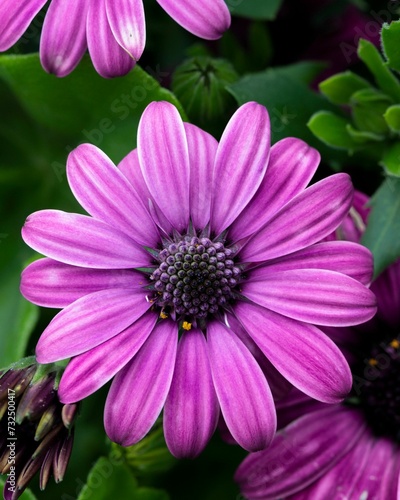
(163, 315)
(395, 344)
(186, 325)
(373, 362)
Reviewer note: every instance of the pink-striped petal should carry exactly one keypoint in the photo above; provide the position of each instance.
(130, 167)
(88, 322)
(242, 390)
(63, 39)
(91, 370)
(164, 161)
(305, 220)
(300, 453)
(208, 19)
(240, 163)
(105, 193)
(140, 389)
(387, 290)
(291, 166)
(49, 283)
(127, 23)
(344, 257)
(80, 240)
(191, 410)
(315, 296)
(15, 17)
(295, 405)
(202, 149)
(300, 352)
(108, 57)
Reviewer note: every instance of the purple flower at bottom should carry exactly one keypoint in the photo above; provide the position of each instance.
(114, 31)
(198, 278)
(349, 450)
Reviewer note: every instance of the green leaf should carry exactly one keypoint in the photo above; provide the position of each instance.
(391, 159)
(332, 130)
(369, 54)
(368, 108)
(363, 136)
(339, 88)
(26, 495)
(390, 36)
(109, 477)
(382, 235)
(392, 117)
(255, 9)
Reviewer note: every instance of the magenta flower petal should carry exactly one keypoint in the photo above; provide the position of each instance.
(387, 290)
(91, 370)
(127, 23)
(140, 389)
(343, 257)
(240, 163)
(94, 180)
(162, 142)
(15, 17)
(300, 352)
(208, 19)
(300, 454)
(88, 322)
(291, 166)
(81, 241)
(312, 295)
(305, 220)
(63, 40)
(191, 410)
(108, 57)
(202, 150)
(242, 390)
(49, 283)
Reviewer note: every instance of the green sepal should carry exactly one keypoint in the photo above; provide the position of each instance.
(339, 88)
(390, 37)
(363, 136)
(392, 117)
(368, 107)
(332, 130)
(391, 160)
(385, 79)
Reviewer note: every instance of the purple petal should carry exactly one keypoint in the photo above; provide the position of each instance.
(130, 167)
(315, 296)
(140, 389)
(88, 322)
(301, 353)
(15, 17)
(208, 19)
(81, 241)
(108, 57)
(191, 410)
(91, 370)
(105, 193)
(49, 283)
(164, 161)
(387, 290)
(242, 390)
(63, 39)
(240, 163)
(202, 149)
(291, 166)
(306, 219)
(344, 257)
(295, 405)
(300, 453)
(127, 23)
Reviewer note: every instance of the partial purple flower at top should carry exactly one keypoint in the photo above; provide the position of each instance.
(114, 31)
(197, 278)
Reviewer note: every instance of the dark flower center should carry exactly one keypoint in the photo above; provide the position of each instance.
(195, 277)
(376, 388)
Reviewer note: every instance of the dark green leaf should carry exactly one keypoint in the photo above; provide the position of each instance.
(390, 36)
(382, 235)
(255, 9)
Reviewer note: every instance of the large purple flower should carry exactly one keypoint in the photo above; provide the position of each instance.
(196, 277)
(114, 31)
(349, 450)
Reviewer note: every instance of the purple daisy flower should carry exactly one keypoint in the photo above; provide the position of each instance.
(114, 31)
(349, 450)
(197, 277)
